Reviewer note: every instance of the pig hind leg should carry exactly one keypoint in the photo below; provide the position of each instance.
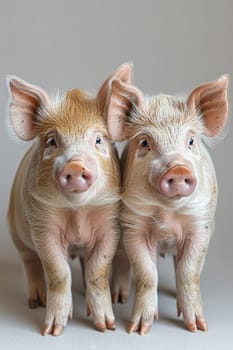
(83, 264)
(120, 284)
(36, 283)
(36, 289)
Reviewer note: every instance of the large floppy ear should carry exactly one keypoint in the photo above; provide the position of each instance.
(122, 97)
(210, 100)
(115, 98)
(124, 73)
(26, 100)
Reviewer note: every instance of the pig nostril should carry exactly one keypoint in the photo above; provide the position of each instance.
(188, 181)
(177, 182)
(75, 178)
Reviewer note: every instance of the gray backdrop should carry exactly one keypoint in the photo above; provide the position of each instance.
(174, 45)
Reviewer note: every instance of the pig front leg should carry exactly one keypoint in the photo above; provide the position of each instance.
(59, 298)
(97, 269)
(120, 276)
(58, 281)
(190, 259)
(142, 255)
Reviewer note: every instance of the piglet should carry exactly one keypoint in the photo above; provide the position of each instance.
(65, 196)
(169, 191)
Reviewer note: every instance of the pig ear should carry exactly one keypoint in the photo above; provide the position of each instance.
(26, 100)
(122, 97)
(210, 100)
(124, 73)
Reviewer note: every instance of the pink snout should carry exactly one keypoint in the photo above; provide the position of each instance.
(178, 181)
(75, 177)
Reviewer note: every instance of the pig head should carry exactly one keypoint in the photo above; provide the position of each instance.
(169, 191)
(65, 196)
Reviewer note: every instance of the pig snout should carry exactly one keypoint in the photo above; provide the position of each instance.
(75, 177)
(178, 181)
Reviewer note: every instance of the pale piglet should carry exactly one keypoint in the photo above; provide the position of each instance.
(65, 197)
(169, 191)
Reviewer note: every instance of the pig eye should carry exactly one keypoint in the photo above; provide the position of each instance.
(144, 143)
(98, 140)
(51, 141)
(191, 142)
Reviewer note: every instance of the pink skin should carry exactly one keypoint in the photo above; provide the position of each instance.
(77, 211)
(177, 181)
(169, 192)
(75, 177)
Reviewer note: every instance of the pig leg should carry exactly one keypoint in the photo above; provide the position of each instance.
(142, 255)
(190, 260)
(36, 283)
(98, 296)
(120, 276)
(59, 299)
(83, 264)
(53, 255)
(36, 290)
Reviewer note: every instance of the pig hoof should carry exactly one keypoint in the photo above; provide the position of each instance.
(52, 329)
(199, 324)
(32, 303)
(57, 330)
(38, 300)
(100, 327)
(71, 315)
(179, 312)
(108, 325)
(111, 325)
(142, 328)
(191, 327)
(119, 298)
(145, 327)
(133, 327)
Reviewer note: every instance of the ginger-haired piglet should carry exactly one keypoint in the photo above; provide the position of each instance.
(65, 196)
(169, 191)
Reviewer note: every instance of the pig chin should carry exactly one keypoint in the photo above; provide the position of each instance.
(79, 198)
(177, 195)
(86, 195)
(177, 200)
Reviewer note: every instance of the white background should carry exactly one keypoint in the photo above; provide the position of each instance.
(175, 46)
